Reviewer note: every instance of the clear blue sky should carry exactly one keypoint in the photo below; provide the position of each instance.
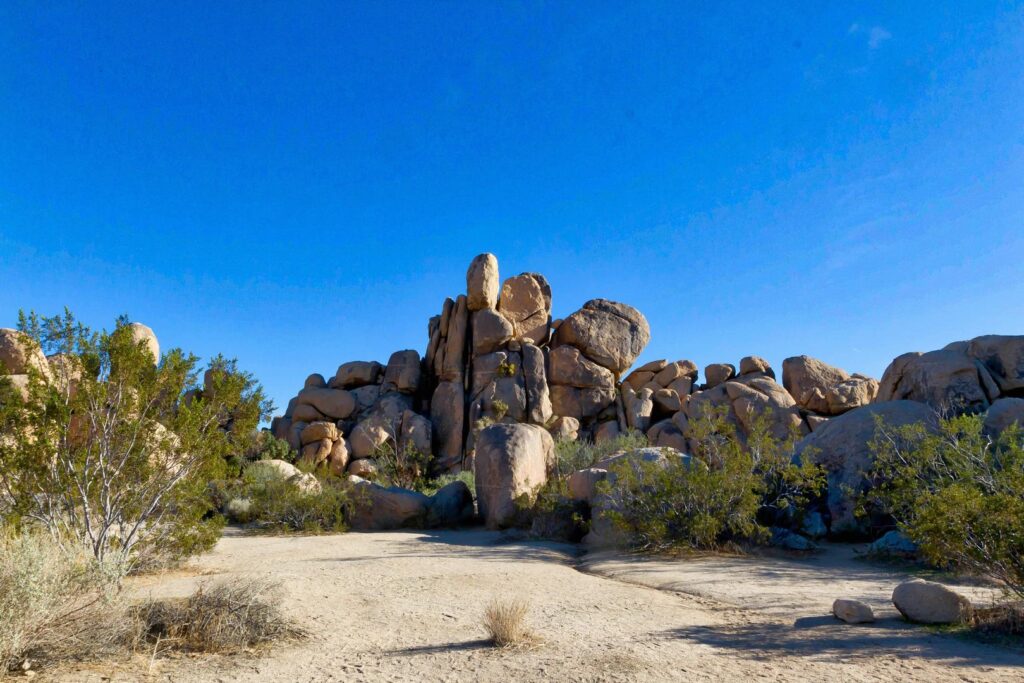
(301, 184)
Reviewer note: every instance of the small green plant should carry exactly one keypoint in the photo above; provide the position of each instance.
(956, 492)
(500, 409)
(506, 369)
(269, 447)
(403, 466)
(264, 498)
(432, 486)
(577, 454)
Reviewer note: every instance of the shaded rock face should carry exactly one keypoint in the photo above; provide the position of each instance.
(610, 334)
(1003, 414)
(1003, 357)
(841, 446)
(947, 380)
(375, 508)
(512, 461)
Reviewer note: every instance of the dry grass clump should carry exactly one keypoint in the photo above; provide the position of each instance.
(505, 622)
(219, 617)
(56, 603)
(1001, 620)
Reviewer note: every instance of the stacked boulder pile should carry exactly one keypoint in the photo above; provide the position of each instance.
(500, 382)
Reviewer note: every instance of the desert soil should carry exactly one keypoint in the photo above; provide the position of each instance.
(407, 606)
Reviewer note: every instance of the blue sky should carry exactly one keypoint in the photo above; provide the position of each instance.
(301, 184)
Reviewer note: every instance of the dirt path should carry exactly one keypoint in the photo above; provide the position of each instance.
(406, 606)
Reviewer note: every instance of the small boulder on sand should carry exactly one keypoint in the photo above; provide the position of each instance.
(852, 611)
(928, 602)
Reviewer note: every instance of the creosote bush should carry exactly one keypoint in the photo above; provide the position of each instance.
(957, 493)
(578, 454)
(114, 451)
(505, 623)
(731, 489)
(261, 497)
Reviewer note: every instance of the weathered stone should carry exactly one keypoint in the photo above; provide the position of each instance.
(583, 483)
(295, 434)
(451, 506)
(334, 403)
(357, 373)
(307, 413)
(666, 433)
(893, 544)
(752, 364)
(808, 380)
(366, 397)
(682, 386)
(946, 380)
(512, 462)
(636, 379)
(638, 407)
(853, 393)
(368, 437)
(564, 429)
(365, 468)
(491, 331)
(416, 433)
(18, 354)
(526, 302)
(144, 334)
(852, 611)
(580, 403)
(815, 421)
(568, 367)
(758, 396)
(666, 401)
(338, 458)
(306, 483)
(1003, 357)
(928, 602)
(454, 366)
(319, 430)
(276, 469)
(538, 398)
(376, 508)
(482, 283)
(315, 381)
(448, 417)
(606, 431)
(316, 452)
(1002, 414)
(402, 372)
(280, 426)
(841, 446)
(681, 369)
(717, 373)
(609, 333)
(390, 406)
(654, 367)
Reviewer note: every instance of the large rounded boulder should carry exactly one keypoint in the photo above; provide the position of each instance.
(512, 461)
(948, 380)
(609, 333)
(842, 446)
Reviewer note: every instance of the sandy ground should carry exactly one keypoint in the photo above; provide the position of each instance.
(406, 606)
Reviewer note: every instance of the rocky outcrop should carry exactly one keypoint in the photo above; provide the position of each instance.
(482, 283)
(1004, 413)
(18, 354)
(144, 335)
(842, 447)
(526, 303)
(512, 461)
(823, 389)
(947, 380)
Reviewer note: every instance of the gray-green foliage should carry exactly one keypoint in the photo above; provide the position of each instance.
(578, 454)
(731, 489)
(117, 455)
(262, 497)
(55, 600)
(956, 492)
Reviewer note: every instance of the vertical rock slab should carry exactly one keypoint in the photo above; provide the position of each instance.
(447, 414)
(482, 283)
(538, 399)
(512, 462)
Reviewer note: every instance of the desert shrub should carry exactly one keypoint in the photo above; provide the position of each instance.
(957, 493)
(116, 455)
(224, 616)
(55, 602)
(505, 623)
(269, 447)
(577, 454)
(402, 466)
(261, 497)
(506, 369)
(730, 489)
(432, 486)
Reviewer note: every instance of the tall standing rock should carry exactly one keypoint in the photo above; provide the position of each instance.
(447, 414)
(512, 462)
(609, 333)
(454, 366)
(482, 283)
(538, 399)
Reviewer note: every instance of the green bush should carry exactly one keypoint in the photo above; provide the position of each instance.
(431, 486)
(731, 489)
(115, 453)
(957, 493)
(262, 498)
(269, 447)
(405, 467)
(577, 454)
